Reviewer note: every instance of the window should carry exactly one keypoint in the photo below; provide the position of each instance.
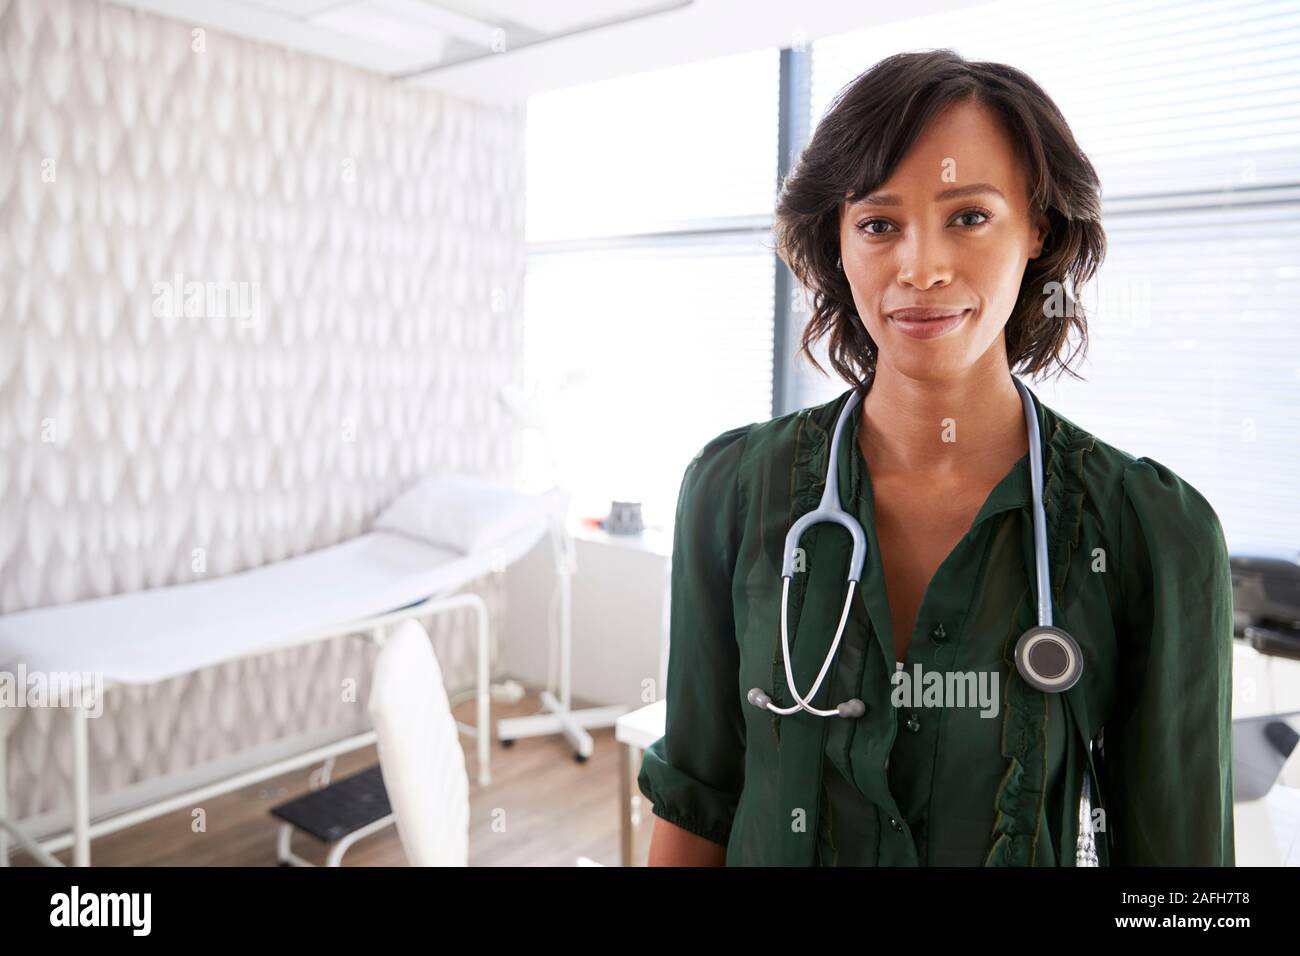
(649, 293)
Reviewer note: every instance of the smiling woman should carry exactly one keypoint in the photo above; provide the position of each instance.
(943, 219)
(992, 174)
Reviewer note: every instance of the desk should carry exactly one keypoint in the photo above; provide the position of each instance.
(617, 654)
(634, 732)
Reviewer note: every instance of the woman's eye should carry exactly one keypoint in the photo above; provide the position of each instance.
(865, 225)
(974, 212)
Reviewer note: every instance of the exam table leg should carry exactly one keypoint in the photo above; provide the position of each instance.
(484, 696)
(80, 788)
(625, 803)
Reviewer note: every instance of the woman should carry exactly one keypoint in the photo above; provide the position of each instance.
(943, 219)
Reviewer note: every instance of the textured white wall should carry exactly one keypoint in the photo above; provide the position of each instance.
(375, 236)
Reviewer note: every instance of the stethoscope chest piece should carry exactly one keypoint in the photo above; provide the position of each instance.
(1049, 659)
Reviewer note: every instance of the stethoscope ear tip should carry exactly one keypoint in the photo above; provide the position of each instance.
(758, 698)
(852, 708)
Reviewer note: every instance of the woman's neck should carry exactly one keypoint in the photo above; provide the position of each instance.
(967, 425)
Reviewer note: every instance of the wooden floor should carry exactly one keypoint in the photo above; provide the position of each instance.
(543, 808)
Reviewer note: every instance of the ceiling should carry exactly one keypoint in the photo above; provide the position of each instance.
(505, 50)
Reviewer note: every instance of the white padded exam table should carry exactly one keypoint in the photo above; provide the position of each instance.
(361, 586)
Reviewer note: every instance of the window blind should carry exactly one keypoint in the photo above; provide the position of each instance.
(649, 291)
(657, 347)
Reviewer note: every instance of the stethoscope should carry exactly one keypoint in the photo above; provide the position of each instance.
(1047, 657)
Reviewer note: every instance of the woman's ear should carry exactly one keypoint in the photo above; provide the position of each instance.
(1042, 236)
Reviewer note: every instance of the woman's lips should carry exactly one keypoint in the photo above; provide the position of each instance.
(909, 324)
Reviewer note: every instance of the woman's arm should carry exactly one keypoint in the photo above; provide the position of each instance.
(1167, 751)
(670, 845)
(694, 774)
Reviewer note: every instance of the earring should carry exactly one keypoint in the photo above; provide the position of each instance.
(839, 264)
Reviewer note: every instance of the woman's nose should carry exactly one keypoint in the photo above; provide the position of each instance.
(924, 260)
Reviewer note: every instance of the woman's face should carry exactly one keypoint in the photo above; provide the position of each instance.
(950, 230)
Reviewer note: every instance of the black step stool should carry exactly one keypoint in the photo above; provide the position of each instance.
(338, 815)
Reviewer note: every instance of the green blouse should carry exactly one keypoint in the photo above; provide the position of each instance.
(1140, 578)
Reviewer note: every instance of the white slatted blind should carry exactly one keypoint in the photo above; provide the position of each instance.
(1191, 114)
(670, 343)
(647, 280)
(1165, 96)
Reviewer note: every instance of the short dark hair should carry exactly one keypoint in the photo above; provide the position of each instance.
(868, 128)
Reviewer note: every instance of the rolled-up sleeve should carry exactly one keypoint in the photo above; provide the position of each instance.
(693, 774)
(1168, 746)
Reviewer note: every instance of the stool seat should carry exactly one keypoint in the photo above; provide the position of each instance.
(345, 806)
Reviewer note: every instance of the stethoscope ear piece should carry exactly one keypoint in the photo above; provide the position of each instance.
(852, 708)
(1049, 659)
(758, 698)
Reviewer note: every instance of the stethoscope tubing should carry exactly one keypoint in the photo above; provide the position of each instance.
(829, 510)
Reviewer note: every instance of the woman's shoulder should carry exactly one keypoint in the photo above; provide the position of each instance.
(1165, 515)
(715, 468)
